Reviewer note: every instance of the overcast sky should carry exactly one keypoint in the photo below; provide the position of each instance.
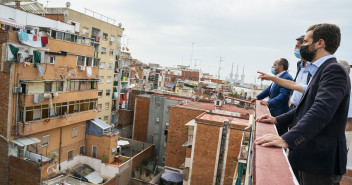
(251, 33)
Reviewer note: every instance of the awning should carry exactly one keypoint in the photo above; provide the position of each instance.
(94, 178)
(170, 85)
(122, 143)
(100, 123)
(11, 23)
(25, 141)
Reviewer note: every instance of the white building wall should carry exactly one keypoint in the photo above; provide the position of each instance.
(28, 19)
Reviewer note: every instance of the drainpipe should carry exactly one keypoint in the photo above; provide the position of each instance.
(60, 148)
(16, 114)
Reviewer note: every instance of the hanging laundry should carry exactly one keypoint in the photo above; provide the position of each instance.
(45, 41)
(37, 57)
(24, 36)
(29, 41)
(41, 70)
(14, 51)
(35, 98)
(89, 71)
(47, 95)
(35, 38)
(41, 98)
(50, 102)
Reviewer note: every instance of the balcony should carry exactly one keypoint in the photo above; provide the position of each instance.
(32, 127)
(27, 99)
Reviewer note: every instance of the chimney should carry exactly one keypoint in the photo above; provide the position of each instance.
(18, 5)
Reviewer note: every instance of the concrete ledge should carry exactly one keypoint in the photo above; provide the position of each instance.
(271, 165)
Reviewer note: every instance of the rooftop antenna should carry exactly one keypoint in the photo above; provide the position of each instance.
(220, 60)
(192, 54)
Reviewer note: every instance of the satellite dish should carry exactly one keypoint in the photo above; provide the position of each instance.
(68, 4)
(119, 25)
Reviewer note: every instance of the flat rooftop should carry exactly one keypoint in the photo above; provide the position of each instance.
(219, 119)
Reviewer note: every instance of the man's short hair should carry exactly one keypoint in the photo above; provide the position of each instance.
(300, 39)
(330, 33)
(284, 63)
(345, 64)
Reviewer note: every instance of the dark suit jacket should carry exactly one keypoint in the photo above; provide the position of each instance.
(278, 102)
(317, 141)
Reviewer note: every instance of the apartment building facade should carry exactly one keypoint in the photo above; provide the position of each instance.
(49, 97)
(105, 37)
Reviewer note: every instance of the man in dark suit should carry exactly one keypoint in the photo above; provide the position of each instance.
(279, 96)
(317, 141)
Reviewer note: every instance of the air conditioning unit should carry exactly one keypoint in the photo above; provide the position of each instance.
(82, 68)
(17, 90)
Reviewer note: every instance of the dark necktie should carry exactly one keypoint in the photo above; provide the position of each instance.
(308, 77)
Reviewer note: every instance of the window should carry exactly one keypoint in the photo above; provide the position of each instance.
(100, 93)
(110, 65)
(94, 151)
(74, 85)
(106, 118)
(111, 52)
(89, 61)
(103, 51)
(102, 65)
(82, 150)
(51, 60)
(105, 36)
(96, 62)
(85, 31)
(60, 86)
(85, 85)
(70, 155)
(101, 79)
(74, 132)
(67, 37)
(99, 107)
(112, 39)
(108, 92)
(42, 111)
(95, 33)
(59, 35)
(80, 60)
(47, 87)
(45, 140)
(108, 80)
(106, 107)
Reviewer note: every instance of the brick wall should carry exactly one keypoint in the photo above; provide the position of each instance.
(125, 117)
(205, 153)
(233, 151)
(4, 161)
(132, 98)
(140, 123)
(4, 97)
(178, 135)
(23, 172)
(145, 154)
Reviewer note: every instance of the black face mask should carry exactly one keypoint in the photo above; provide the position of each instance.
(308, 56)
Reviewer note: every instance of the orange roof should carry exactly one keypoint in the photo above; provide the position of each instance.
(215, 118)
